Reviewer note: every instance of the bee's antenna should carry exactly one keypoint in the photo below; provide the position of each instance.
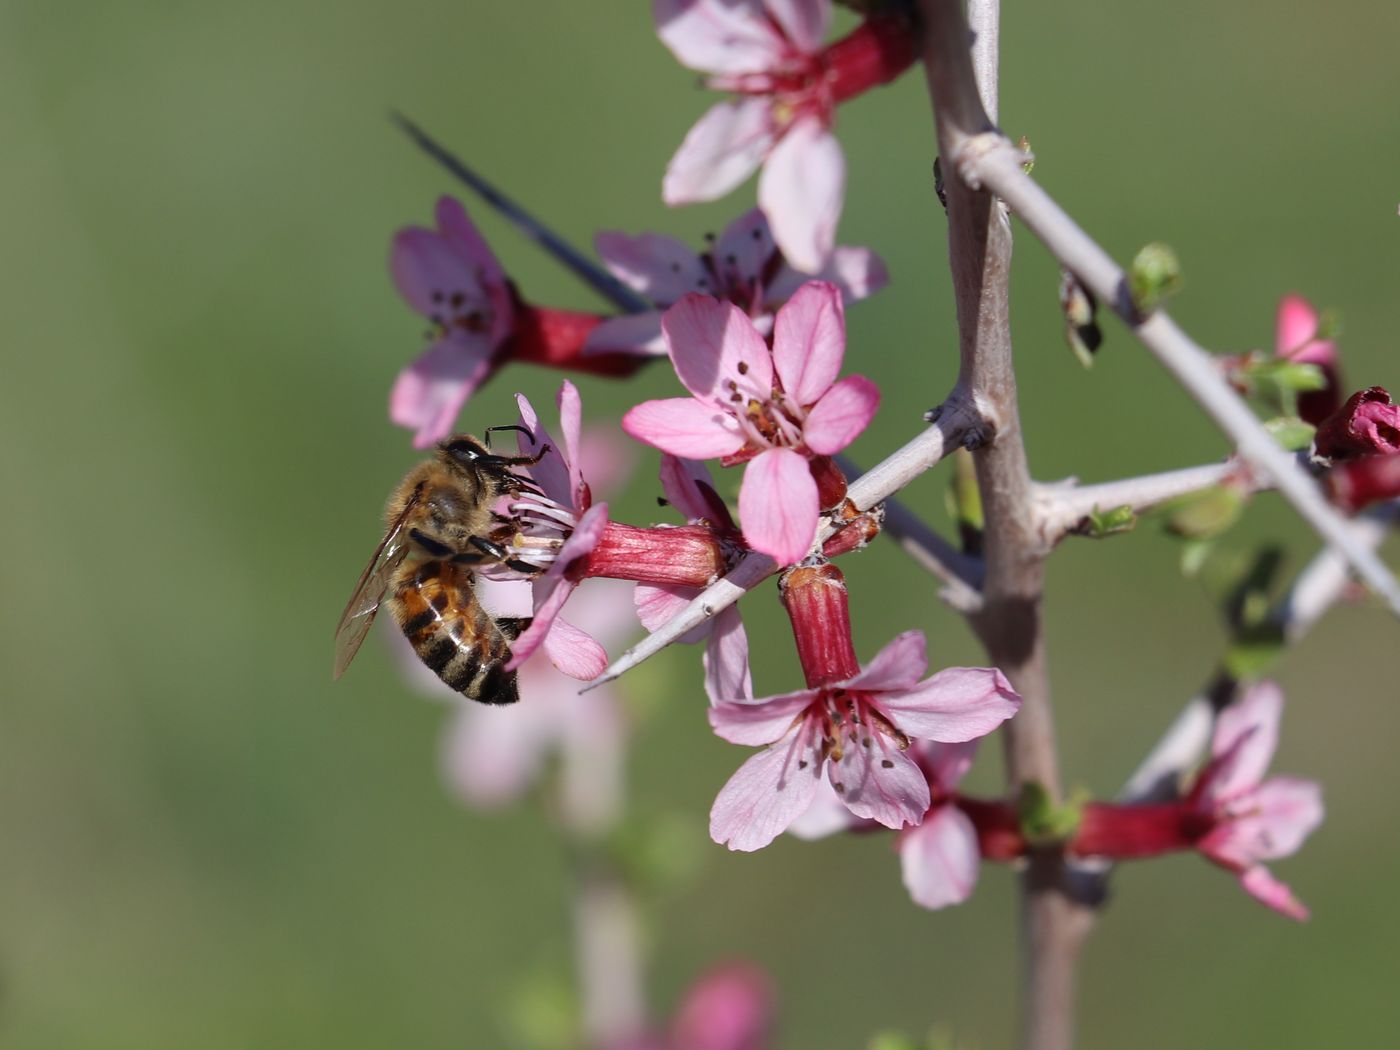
(507, 426)
(604, 283)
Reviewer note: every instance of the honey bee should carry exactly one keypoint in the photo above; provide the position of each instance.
(440, 524)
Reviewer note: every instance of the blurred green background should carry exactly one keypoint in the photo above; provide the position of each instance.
(206, 844)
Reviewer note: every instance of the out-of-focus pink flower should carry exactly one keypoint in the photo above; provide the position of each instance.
(1369, 423)
(773, 410)
(1252, 819)
(744, 267)
(1296, 339)
(689, 489)
(450, 277)
(770, 54)
(728, 1008)
(858, 731)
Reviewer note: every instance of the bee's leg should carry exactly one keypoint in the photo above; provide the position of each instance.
(513, 461)
(512, 626)
(493, 551)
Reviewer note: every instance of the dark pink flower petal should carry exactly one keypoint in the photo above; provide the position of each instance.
(939, 859)
(552, 589)
(1296, 329)
(684, 427)
(809, 341)
(638, 334)
(1245, 738)
(730, 1008)
(841, 415)
(767, 793)
(726, 658)
(899, 665)
(801, 191)
(778, 505)
(574, 652)
(723, 149)
(429, 394)
(719, 36)
(804, 22)
(661, 268)
(758, 722)
(552, 472)
(956, 704)
(1368, 423)
(1267, 890)
(878, 781)
(714, 344)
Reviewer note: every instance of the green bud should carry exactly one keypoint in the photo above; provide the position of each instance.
(1111, 521)
(1044, 823)
(963, 500)
(1154, 276)
(1205, 514)
(1028, 165)
(1291, 432)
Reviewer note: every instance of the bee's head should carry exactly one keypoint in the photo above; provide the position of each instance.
(462, 452)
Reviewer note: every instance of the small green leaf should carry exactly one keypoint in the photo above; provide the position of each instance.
(1042, 822)
(1154, 276)
(1111, 521)
(1291, 432)
(1028, 165)
(964, 501)
(1205, 514)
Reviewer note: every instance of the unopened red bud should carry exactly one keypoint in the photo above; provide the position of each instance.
(685, 555)
(1358, 483)
(819, 608)
(1368, 423)
(1130, 832)
(877, 51)
(831, 482)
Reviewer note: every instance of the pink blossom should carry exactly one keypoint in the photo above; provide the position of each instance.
(450, 277)
(1296, 339)
(729, 1008)
(1253, 819)
(690, 490)
(744, 267)
(940, 858)
(858, 731)
(773, 410)
(770, 54)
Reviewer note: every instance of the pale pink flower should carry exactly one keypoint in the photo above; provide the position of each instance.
(689, 488)
(1296, 339)
(940, 858)
(771, 409)
(858, 731)
(743, 267)
(1254, 820)
(728, 1008)
(450, 277)
(560, 525)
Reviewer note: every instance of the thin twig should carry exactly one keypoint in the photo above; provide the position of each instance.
(1063, 507)
(958, 424)
(987, 158)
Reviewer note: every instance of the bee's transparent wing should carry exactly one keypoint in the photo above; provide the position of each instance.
(369, 592)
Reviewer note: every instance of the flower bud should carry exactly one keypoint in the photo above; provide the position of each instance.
(684, 555)
(1359, 482)
(819, 608)
(1368, 422)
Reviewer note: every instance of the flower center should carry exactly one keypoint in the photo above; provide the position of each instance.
(458, 311)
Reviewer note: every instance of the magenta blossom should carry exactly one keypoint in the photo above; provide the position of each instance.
(1369, 423)
(689, 489)
(450, 277)
(559, 525)
(858, 732)
(773, 410)
(770, 53)
(728, 1008)
(1296, 340)
(1254, 820)
(744, 267)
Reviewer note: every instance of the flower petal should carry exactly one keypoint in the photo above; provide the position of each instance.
(552, 472)
(723, 149)
(778, 505)
(809, 341)
(825, 816)
(757, 722)
(452, 220)
(730, 1008)
(858, 272)
(659, 267)
(713, 344)
(955, 705)
(571, 428)
(491, 754)
(767, 793)
(683, 427)
(429, 394)
(879, 781)
(939, 859)
(1246, 733)
(638, 334)
(1295, 329)
(899, 665)
(576, 653)
(1267, 890)
(1265, 824)
(553, 588)
(744, 248)
(950, 762)
(727, 658)
(682, 481)
(840, 416)
(718, 36)
(805, 22)
(801, 191)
